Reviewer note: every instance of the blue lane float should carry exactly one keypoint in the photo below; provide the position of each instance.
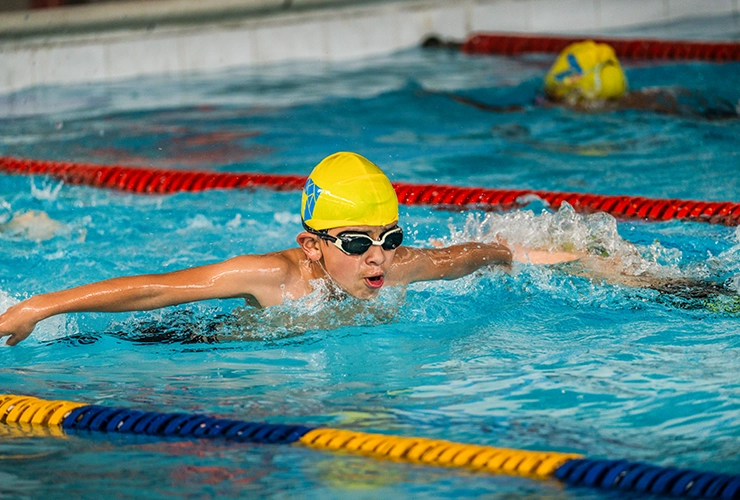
(572, 469)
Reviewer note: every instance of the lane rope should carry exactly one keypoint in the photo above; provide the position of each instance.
(570, 468)
(155, 181)
(508, 44)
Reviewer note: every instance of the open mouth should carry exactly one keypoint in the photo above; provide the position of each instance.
(375, 281)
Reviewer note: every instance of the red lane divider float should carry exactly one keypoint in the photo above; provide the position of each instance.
(146, 180)
(149, 181)
(493, 43)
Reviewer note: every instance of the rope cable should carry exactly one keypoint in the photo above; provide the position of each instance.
(508, 44)
(570, 468)
(147, 181)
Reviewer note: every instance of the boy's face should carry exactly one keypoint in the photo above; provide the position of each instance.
(363, 275)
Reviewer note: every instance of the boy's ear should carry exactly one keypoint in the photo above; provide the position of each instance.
(310, 244)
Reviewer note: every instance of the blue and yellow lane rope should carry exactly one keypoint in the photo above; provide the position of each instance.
(65, 416)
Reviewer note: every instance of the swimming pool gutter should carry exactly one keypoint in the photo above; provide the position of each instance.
(133, 16)
(122, 40)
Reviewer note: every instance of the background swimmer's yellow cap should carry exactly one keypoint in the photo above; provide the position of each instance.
(346, 189)
(586, 70)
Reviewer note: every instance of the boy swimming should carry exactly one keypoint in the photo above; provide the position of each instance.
(351, 238)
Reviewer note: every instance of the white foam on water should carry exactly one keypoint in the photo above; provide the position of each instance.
(567, 231)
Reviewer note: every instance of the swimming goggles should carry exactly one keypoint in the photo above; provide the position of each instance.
(359, 243)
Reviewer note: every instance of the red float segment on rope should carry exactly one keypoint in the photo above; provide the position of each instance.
(143, 180)
(506, 44)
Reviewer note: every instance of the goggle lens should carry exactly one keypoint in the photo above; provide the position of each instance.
(357, 244)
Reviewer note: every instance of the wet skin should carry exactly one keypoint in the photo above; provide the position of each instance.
(270, 279)
(363, 275)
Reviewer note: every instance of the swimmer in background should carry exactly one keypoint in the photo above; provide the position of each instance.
(586, 76)
(351, 238)
(31, 225)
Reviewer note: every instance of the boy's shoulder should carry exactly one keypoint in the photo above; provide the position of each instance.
(279, 263)
(269, 277)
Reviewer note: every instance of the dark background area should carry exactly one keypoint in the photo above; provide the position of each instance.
(15, 5)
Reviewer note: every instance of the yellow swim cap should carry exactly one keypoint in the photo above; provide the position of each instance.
(586, 70)
(346, 189)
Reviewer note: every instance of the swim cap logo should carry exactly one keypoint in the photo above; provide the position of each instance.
(574, 70)
(312, 195)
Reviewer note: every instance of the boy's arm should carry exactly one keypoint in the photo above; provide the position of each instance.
(234, 278)
(424, 264)
(531, 256)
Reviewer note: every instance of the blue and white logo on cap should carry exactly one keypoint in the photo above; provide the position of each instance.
(312, 194)
(574, 69)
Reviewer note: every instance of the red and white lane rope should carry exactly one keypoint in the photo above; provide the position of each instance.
(154, 181)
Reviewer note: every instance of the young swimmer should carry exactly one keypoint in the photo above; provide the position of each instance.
(351, 237)
(586, 76)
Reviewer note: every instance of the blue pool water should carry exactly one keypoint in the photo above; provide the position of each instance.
(538, 359)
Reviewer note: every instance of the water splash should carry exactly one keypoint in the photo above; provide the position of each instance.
(199, 222)
(326, 308)
(612, 271)
(48, 190)
(6, 301)
(729, 262)
(567, 231)
(51, 328)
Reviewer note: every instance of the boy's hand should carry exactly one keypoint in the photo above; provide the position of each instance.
(530, 256)
(14, 325)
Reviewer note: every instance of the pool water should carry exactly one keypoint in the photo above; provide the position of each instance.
(537, 358)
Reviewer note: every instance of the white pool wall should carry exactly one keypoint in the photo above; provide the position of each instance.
(102, 42)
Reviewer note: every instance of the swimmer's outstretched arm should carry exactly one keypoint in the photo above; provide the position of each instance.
(542, 257)
(235, 278)
(425, 264)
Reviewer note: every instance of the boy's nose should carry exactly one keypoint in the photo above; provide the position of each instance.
(375, 255)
